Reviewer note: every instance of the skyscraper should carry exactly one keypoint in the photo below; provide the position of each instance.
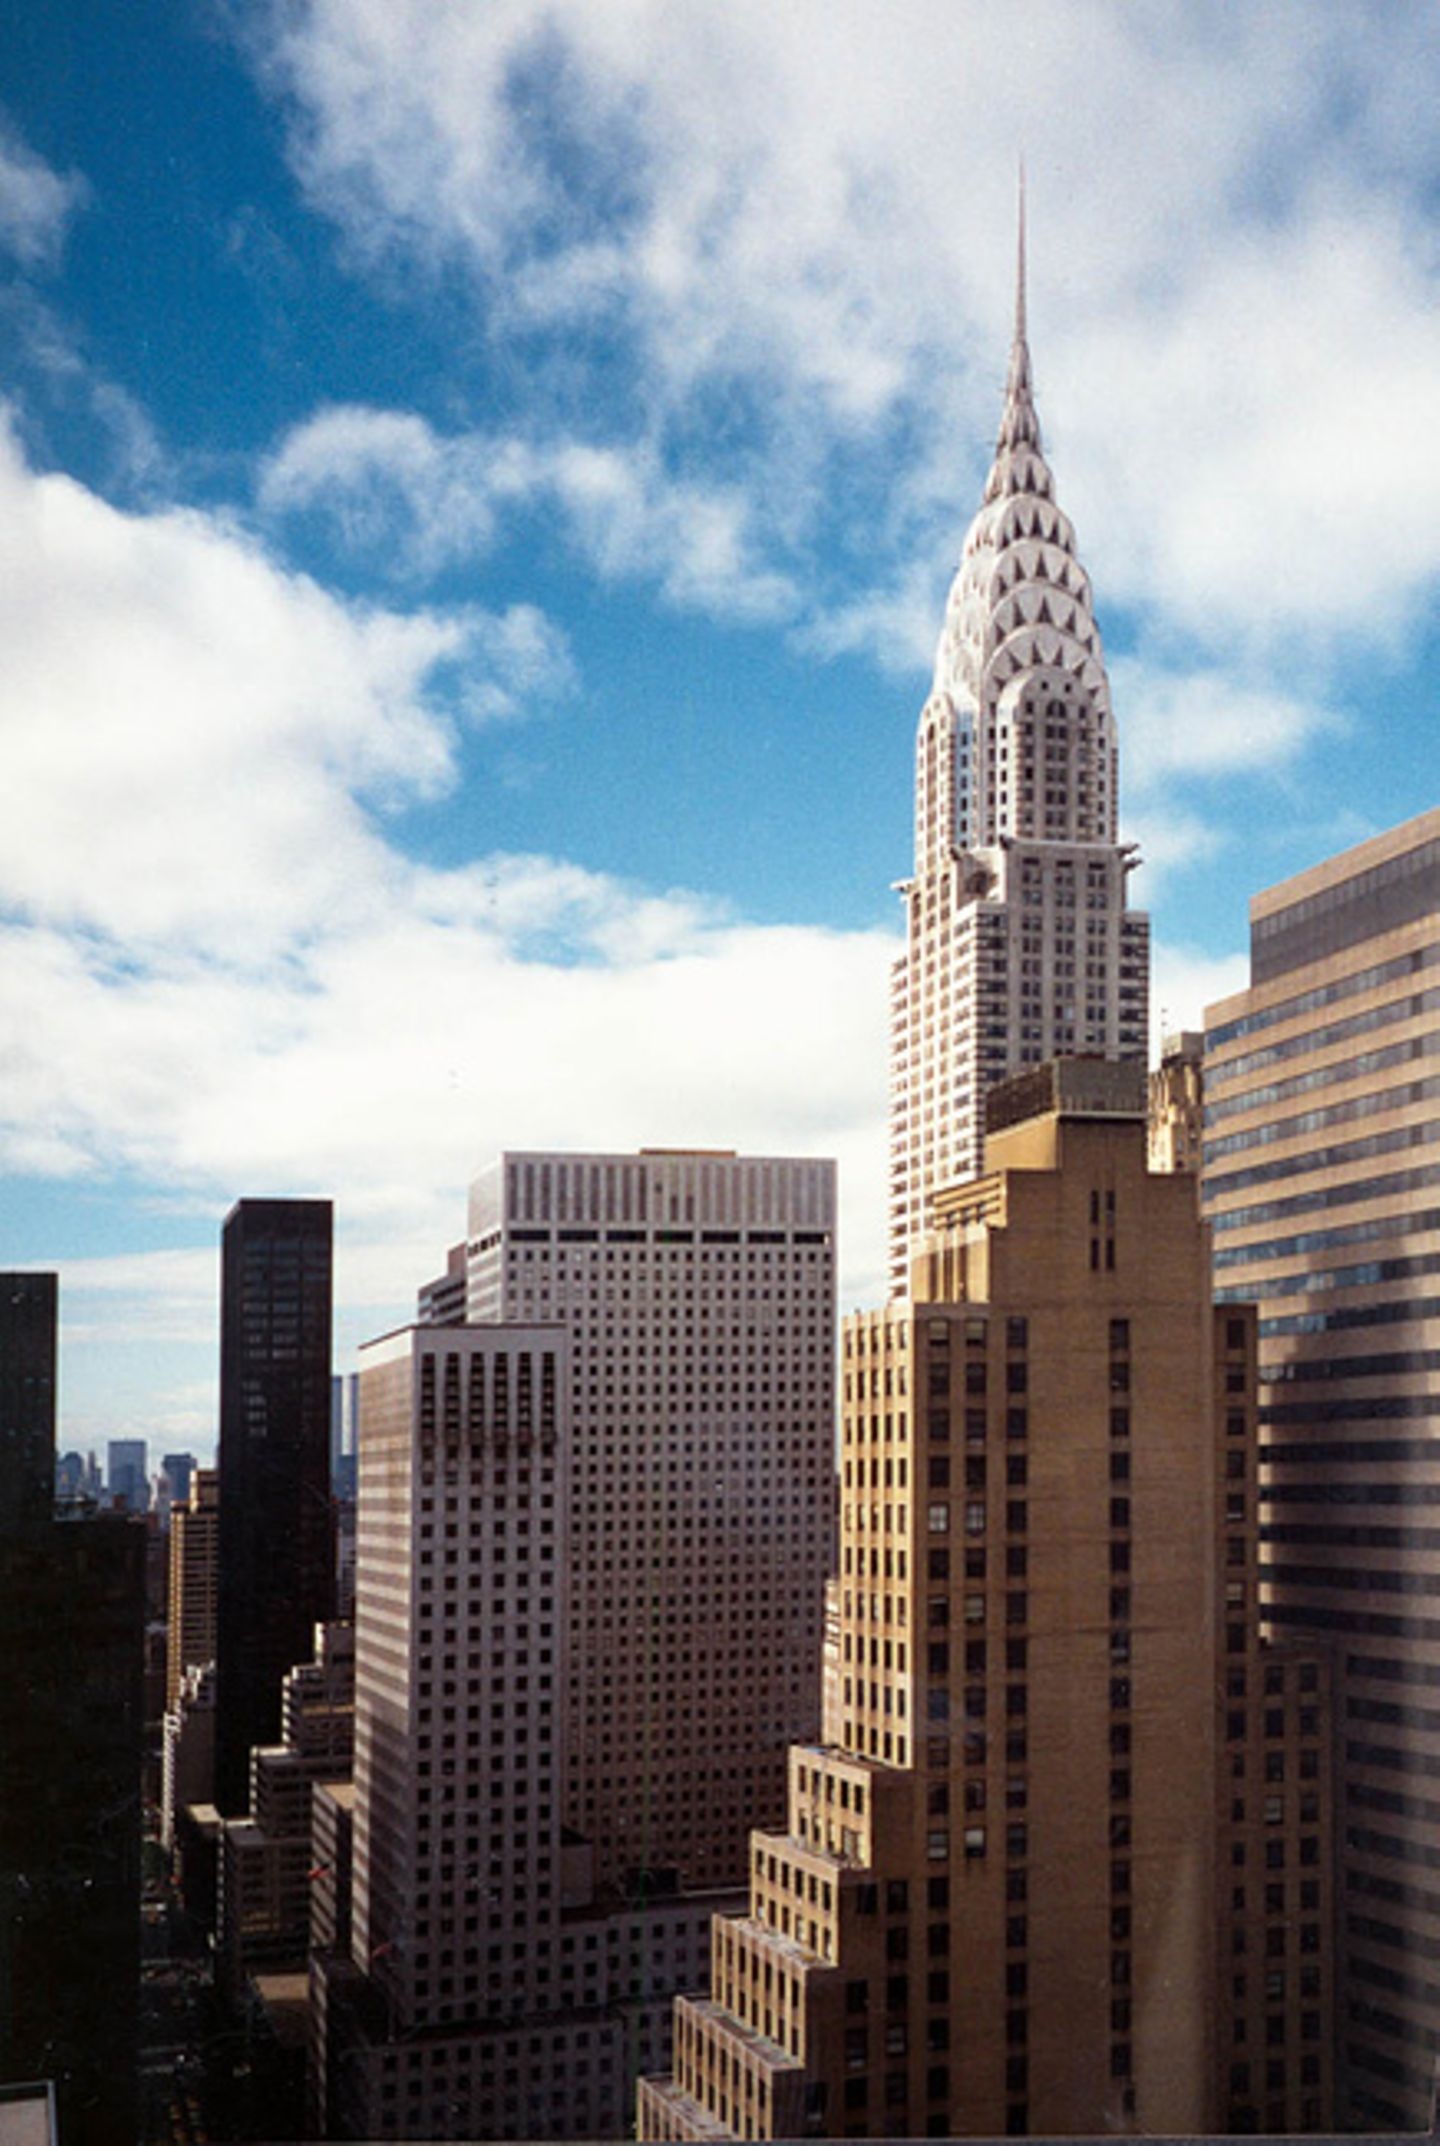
(993, 1907)
(264, 1891)
(595, 1525)
(276, 1548)
(194, 1581)
(179, 1469)
(478, 1984)
(1176, 1093)
(698, 1292)
(1019, 944)
(27, 1401)
(1322, 1185)
(72, 1595)
(344, 1405)
(127, 1473)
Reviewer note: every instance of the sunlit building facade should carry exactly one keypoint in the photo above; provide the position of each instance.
(1019, 941)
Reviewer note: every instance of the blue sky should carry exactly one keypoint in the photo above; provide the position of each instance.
(477, 491)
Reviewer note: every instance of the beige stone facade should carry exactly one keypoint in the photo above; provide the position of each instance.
(1177, 1103)
(477, 1982)
(995, 1905)
(697, 1295)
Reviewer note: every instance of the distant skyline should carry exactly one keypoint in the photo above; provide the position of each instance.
(477, 493)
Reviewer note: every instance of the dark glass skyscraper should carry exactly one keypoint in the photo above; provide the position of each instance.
(72, 1604)
(27, 1401)
(276, 1577)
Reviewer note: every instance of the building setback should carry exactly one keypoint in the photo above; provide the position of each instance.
(276, 1576)
(1322, 1184)
(997, 1905)
(265, 1858)
(1019, 944)
(697, 1291)
(473, 1981)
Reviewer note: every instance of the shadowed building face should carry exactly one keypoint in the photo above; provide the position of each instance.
(276, 1575)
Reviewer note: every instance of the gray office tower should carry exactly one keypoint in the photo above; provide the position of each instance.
(72, 1598)
(1322, 1188)
(179, 1470)
(127, 1473)
(277, 1559)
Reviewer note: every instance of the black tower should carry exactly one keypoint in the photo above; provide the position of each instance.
(277, 1558)
(72, 1608)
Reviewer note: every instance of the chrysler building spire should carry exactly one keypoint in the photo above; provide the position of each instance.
(1019, 424)
(1019, 944)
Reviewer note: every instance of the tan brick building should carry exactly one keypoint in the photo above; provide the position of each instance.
(1176, 1103)
(1002, 1902)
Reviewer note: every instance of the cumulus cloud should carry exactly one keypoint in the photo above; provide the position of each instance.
(36, 203)
(806, 218)
(1185, 728)
(392, 488)
(1251, 486)
(1207, 721)
(219, 974)
(193, 734)
(391, 1057)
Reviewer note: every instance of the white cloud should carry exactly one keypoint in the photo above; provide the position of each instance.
(1207, 722)
(1251, 487)
(36, 203)
(393, 488)
(395, 1055)
(191, 733)
(1181, 728)
(388, 483)
(1171, 839)
(808, 214)
(1185, 981)
(896, 626)
(398, 1050)
(218, 976)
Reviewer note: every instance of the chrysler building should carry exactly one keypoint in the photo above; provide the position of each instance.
(1019, 945)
